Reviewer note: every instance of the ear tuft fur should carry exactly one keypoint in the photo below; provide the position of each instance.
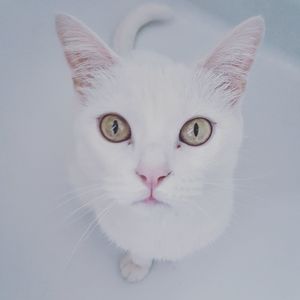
(86, 54)
(232, 58)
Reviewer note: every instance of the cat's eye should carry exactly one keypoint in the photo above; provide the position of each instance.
(114, 128)
(196, 131)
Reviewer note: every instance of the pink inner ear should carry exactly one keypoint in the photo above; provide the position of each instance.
(84, 69)
(86, 54)
(233, 58)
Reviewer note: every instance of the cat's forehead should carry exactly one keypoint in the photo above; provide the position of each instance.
(153, 88)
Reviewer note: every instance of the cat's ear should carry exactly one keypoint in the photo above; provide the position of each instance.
(86, 54)
(231, 60)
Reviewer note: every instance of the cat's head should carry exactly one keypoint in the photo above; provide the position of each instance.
(152, 132)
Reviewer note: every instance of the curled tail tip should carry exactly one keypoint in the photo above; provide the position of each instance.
(164, 11)
(126, 32)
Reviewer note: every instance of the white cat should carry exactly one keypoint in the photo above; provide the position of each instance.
(157, 139)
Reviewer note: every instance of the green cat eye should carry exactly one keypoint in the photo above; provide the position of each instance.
(114, 128)
(196, 132)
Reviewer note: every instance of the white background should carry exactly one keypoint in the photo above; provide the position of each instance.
(257, 258)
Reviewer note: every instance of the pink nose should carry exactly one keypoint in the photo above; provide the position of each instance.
(152, 178)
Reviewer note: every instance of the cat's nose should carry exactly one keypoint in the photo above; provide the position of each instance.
(152, 178)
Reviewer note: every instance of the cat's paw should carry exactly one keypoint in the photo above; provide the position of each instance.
(134, 270)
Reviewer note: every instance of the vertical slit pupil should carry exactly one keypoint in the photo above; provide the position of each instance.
(196, 129)
(115, 126)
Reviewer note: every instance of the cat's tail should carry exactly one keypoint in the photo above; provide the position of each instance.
(127, 30)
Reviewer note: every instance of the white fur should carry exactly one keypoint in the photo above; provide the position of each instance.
(157, 96)
(133, 268)
(124, 37)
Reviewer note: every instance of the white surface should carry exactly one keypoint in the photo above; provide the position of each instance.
(257, 258)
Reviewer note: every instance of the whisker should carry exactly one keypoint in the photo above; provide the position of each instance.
(87, 203)
(220, 186)
(92, 225)
(79, 241)
(78, 194)
(78, 189)
(258, 177)
(85, 211)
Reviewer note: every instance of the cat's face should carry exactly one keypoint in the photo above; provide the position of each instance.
(156, 97)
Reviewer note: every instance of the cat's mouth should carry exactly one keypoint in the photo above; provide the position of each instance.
(151, 201)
